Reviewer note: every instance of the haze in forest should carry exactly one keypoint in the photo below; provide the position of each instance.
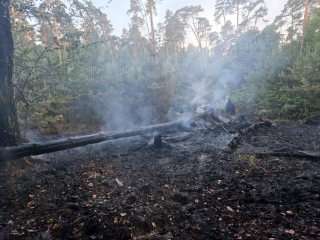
(79, 67)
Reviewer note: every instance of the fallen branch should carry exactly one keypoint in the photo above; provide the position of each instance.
(9, 153)
(300, 154)
(244, 128)
(313, 120)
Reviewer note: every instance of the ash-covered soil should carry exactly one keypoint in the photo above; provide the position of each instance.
(194, 188)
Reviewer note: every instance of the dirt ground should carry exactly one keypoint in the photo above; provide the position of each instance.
(196, 187)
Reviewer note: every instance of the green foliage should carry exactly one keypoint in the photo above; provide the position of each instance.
(282, 83)
(313, 31)
(250, 159)
(71, 73)
(300, 86)
(258, 60)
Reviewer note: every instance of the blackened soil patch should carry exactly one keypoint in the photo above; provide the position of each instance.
(194, 189)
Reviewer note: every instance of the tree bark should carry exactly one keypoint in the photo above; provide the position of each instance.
(153, 38)
(9, 130)
(27, 25)
(304, 25)
(152, 28)
(44, 35)
(57, 33)
(237, 20)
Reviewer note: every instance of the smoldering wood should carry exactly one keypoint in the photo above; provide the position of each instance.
(210, 115)
(33, 149)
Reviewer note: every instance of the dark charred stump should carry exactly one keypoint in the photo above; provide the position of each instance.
(158, 141)
(230, 108)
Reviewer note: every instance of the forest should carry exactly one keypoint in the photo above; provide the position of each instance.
(151, 136)
(72, 74)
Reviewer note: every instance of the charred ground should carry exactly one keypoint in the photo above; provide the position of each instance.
(196, 187)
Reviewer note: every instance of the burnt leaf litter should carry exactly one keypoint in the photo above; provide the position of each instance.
(202, 184)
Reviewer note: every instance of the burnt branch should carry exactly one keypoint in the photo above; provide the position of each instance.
(299, 154)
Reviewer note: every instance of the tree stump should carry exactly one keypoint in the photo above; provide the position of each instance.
(157, 141)
(230, 108)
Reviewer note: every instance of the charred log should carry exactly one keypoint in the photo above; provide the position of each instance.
(313, 120)
(299, 154)
(74, 142)
(243, 128)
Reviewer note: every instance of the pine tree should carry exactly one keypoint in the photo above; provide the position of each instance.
(188, 15)
(175, 34)
(253, 11)
(222, 9)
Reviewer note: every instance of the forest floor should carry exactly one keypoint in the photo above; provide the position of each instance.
(194, 188)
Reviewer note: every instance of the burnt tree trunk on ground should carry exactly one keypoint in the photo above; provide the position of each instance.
(9, 130)
(63, 144)
(300, 154)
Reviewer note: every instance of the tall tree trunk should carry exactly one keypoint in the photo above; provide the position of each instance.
(175, 51)
(206, 53)
(9, 130)
(194, 29)
(146, 22)
(237, 19)
(153, 41)
(152, 27)
(85, 29)
(64, 43)
(144, 50)
(226, 35)
(291, 37)
(28, 37)
(106, 37)
(44, 35)
(57, 33)
(304, 24)
(27, 25)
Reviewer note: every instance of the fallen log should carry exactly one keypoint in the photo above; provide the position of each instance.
(10, 153)
(299, 154)
(243, 128)
(313, 120)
